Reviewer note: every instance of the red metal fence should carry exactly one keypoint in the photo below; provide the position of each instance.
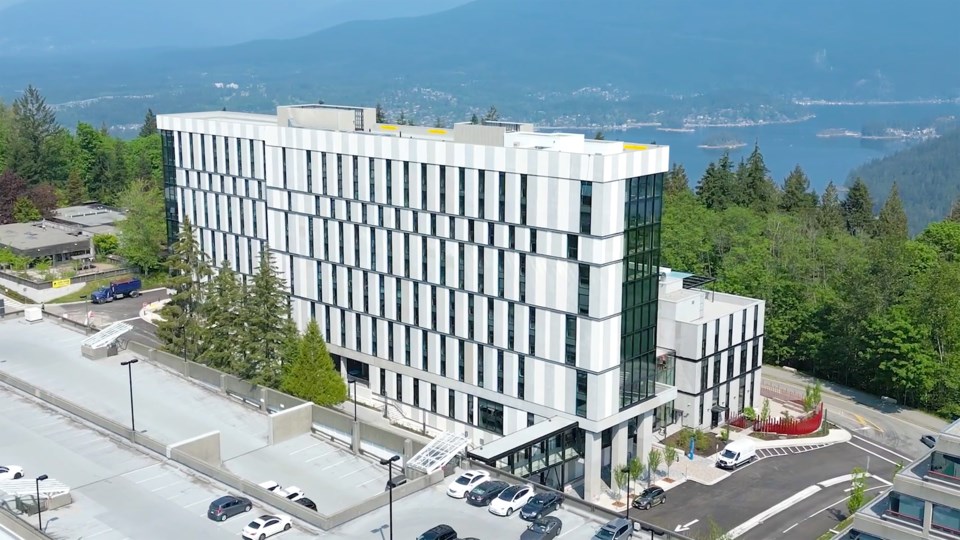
(784, 426)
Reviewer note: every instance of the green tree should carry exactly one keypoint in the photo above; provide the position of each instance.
(654, 459)
(892, 220)
(944, 237)
(35, 126)
(222, 324)
(599, 136)
(903, 366)
(716, 187)
(180, 329)
(266, 313)
(474, 120)
(755, 189)
(311, 375)
(492, 115)
(7, 136)
(676, 181)
(830, 214)
(438, 123)
(402, 119)
(812, 396)
(75, 190)
(105, 244)
(954, 214)
(149, 124)
(765, 410)
(621, 476)
(671, 455)
(858, 208)
(143, 231)
(381, 117)
(858, 489)
(24, 211)
(636, 469)
(797, 197)
(143, 159)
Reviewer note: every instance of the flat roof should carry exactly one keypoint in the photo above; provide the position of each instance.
(521, 439)
(33, 236)
(953, 429)
(230, 116)
(90, 215)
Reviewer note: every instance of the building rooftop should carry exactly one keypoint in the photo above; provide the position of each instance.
(953, 429)
(89, 215)
(26, 238)
(363, 120)
(679, 287)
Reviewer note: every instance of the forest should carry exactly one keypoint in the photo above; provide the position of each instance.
(851, 297)
(933, 170)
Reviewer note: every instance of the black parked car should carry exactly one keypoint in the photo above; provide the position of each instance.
(227, 507)
(929, 440)
(651, 496)
(440, 532)
(540, 505)
(306, 502)
(546, 528)
(486, 492)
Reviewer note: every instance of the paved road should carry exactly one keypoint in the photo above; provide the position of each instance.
(126, 309)
(759, 486)
(866, 415)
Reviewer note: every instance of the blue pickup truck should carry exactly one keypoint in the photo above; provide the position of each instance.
(117, 289)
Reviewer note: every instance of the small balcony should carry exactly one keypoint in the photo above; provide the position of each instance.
(940, 469)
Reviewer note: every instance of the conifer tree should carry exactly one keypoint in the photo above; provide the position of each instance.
(266, 313)
(492, 115)
(954, 214)
(35, 127)
(715, 189)
(797, 197)
(381, 117)
(311, 375)
(756, 189)
(830, 213)
(675, 181)
(892, 220)
(75, 190)
(474, 120)
(222, 323)
(858, 208)
(149, 124)
(180, 329)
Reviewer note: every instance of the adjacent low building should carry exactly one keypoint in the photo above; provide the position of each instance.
(45, 240)
(488, 279)
(924, 501)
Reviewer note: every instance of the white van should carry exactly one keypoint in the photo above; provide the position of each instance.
(737, 453)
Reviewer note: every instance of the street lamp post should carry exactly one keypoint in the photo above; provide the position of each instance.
(389, 463)
(40, 478)
(629, 481)
(353, 381)
(129, 364)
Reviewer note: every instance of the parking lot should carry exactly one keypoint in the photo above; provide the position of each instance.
(168, 409)
(117, 491)
(753, 489)
(329, 475)
(415, 514)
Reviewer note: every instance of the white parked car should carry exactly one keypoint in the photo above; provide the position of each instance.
(265, 526)
(511, 499)
(465, 482)
(10, 472)
(270, 485)
(292, 493)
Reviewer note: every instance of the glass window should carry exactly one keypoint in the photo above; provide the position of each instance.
(946, 519)
(581, 394)
(570, 356)
(573, 244)
(521, 368)
(906, 507)
(583, 296)
(586, 201)
(491, 416)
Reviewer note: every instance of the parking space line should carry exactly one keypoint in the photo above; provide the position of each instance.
(887, 450)
(890, 461)
(571, 530)
(361, 469)
(368, 481)
(166, 486)
(337, 463)
(105, 531)
(205, 499)
(321, 456)
(151, 478)
(141, 469)
(307, 448)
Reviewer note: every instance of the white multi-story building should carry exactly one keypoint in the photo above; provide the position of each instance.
(717, 340)
(498, 282)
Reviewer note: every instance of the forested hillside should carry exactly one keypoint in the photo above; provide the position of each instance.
(849, 296)
(928, 175)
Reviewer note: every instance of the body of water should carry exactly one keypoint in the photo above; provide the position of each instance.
(786, 145)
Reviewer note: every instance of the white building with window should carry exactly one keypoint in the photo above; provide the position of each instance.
(499, 281)
(717, 339)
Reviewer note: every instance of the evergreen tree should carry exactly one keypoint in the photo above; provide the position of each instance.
(381, 117)
(492, 115)
(75, 190)
(755, 188)
(149, 124)
(35, 125)
(402, 119)
(24, 211)
(180, 329)
(222, 323)
(599, 136)
(715, 189)
(892, 220)
(830, 214)
(311, 375)
(676, 182)
(474, 120)
(438, 123)
(858, 208)
(797, 197)
(266, 313)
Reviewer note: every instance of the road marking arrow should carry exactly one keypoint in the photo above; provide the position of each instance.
(686, 527)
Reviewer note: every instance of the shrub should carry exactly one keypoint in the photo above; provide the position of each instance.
(750, 413)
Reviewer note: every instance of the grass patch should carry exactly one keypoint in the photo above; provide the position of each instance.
(14, 295)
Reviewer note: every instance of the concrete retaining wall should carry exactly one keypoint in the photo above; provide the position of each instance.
(165, 359)
(382, 499)
(291, 423)
(19, 527)
(205, 448)
(246, 392)
(278, 401)
(201, 373)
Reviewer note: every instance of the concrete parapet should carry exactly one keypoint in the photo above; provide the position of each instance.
(291, 423)
(205, 448)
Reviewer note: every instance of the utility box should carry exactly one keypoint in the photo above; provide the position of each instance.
(33, 314)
